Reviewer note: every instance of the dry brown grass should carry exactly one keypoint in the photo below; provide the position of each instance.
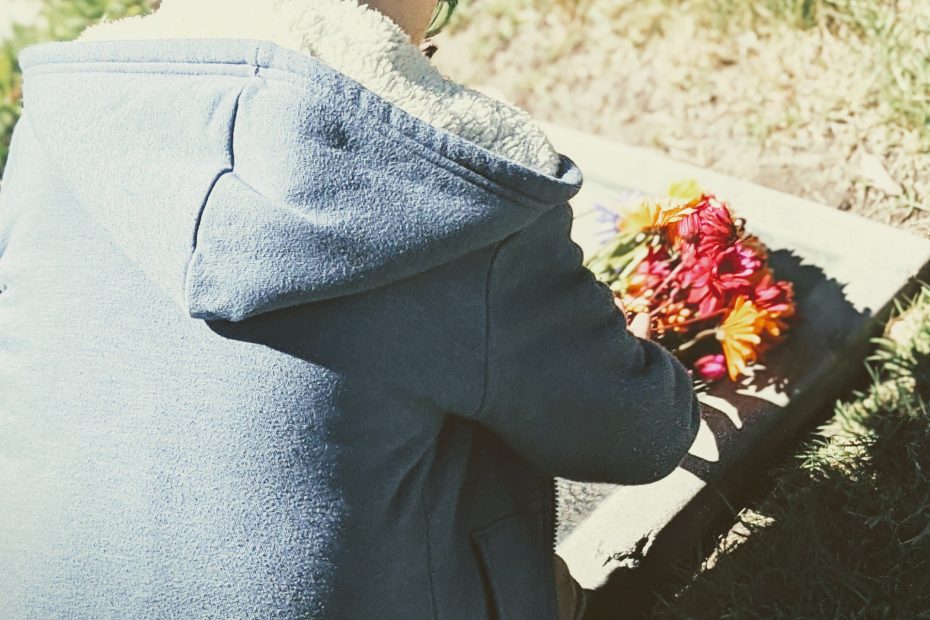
(829, 105)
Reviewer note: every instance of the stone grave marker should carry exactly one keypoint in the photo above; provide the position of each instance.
(620, 540)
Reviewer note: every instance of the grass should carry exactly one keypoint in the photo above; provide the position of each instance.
(846, 531)
(897, 33)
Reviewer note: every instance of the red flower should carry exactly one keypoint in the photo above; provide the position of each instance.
(711, 367)
(707, 231)
(686, 261)
(737, 267)
(699, 278)
(776, 297)
(713, 280)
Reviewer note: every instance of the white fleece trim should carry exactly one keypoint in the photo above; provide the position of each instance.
(363, 44)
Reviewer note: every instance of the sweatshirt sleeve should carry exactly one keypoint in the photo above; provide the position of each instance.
(566, 385)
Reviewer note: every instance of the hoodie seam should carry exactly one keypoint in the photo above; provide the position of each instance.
(479, 412)
(68, 67)
(430, 566)
(231, 155)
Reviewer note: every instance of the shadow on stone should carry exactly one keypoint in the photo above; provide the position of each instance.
(754, 423)
(827, 341)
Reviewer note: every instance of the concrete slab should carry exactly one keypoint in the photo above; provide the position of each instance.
(847, 270)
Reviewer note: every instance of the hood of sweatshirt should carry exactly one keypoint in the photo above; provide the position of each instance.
(362, 43)
(244, 177)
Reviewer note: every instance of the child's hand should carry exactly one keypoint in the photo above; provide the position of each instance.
(641, 325)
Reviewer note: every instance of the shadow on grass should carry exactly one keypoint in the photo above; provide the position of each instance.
(850, 534)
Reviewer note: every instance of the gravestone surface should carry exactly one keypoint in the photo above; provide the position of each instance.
(846, 271)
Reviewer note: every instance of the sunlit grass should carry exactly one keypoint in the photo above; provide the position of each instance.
(846, 531)
(897, 31)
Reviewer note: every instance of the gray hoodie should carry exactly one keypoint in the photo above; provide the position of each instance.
(271, 347)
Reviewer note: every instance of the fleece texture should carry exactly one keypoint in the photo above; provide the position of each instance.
(273, 348)
(363, 44)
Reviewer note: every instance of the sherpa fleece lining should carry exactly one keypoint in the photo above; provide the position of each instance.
(363, 44)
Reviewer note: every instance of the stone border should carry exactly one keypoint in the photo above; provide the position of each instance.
(847, 271)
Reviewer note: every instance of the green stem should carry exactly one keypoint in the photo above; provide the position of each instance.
(707, 333)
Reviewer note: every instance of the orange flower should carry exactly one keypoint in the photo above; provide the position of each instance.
(741, 334)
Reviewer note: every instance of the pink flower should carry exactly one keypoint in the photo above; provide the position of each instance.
(775, 296)
(707, 231)
(714, 280)
(711, 367)
(699, 278)
(737, 267)
(654, 268)
(650, 273)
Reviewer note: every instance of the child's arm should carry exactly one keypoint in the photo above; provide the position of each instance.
(567, 385)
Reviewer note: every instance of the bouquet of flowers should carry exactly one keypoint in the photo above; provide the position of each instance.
(703, 280)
